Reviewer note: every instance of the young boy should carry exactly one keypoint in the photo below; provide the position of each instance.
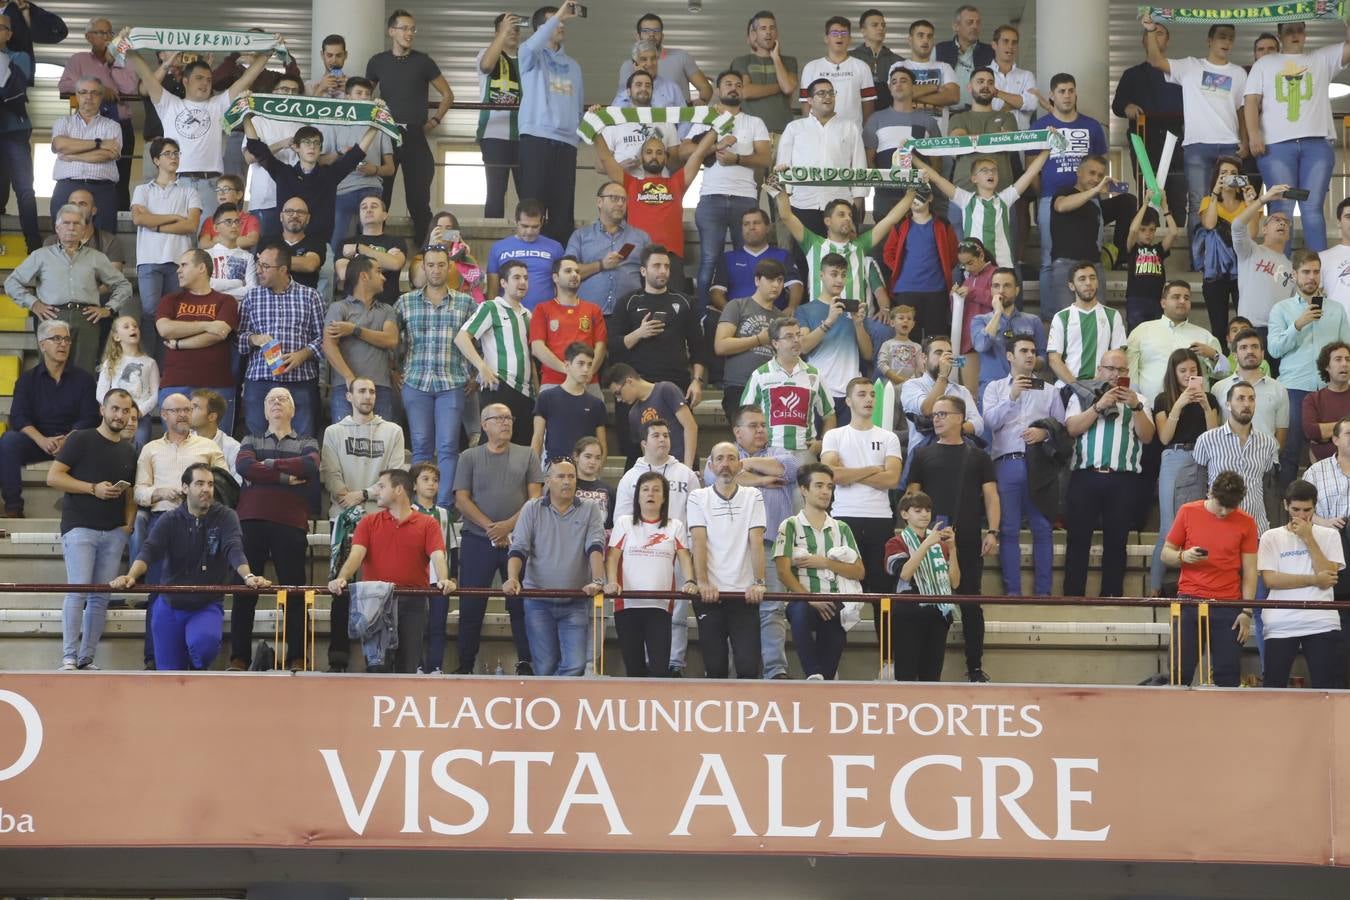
(230, 189)
(233, 270)
(900, 358)
(568, 411)
(845, 341)
(1145, 249)
(426, 482)
(987, 200)
(923, 562)
(590, 459)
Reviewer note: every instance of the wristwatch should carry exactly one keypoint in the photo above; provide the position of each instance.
(98, 143)
(356, 331)
(365, 495)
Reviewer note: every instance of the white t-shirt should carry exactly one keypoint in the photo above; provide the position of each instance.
(733, 181)
(1211, 96)
(1336, 274)
(262, 189)
(859, 448)
(852, 80)
(1283, 551)
(166, 200)
(648, 562)
(1301, 80)
(679, 477)
(728, 523)
(195, 125)
(625, 140)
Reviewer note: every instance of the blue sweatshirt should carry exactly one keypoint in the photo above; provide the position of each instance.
(196, 550)
(552, 95)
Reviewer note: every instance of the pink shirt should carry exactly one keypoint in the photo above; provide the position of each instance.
(84, 65)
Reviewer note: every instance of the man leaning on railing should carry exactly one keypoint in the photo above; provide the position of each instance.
(198, 542)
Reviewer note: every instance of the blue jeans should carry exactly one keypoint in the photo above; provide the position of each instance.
(1291, 454)
(1173, 460)
(433, 422)
(304, 393)
(1014, 497)
(479, 564)
(16, 165)
(345, 212)
(341, 409)
(715, 216)
(773, 624)
(92, 557)
(155, 280)
(557, 632)
(1302, 163)
(820, 642)
(1199, 163)
(226, 423)
(187, 639)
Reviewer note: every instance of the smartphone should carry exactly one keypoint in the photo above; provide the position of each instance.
(940, 523)
(1316, 302)
(958, 362)
(185, 58)
(1196, 381)
(850, 306)
(661, 315)
(580, 10)
(122, 485)
(1296, 194)
(452, 236)
(336, 71)
(626, 250)
(1123, 381)
(1035, 384)
(1200, 551)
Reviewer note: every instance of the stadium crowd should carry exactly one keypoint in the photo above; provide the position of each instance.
(896, 416)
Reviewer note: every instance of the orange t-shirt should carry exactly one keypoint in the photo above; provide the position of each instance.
(1219, 576)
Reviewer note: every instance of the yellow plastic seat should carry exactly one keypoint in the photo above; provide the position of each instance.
(13, 251)
(13, 317)
(10, 366)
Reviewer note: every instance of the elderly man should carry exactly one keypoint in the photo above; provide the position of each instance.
(181, 549)
(563, 540)
(288, 316)
(281, 472)
(158, 489)
(62, 282)
(402, 546)
(87, 147)
(677, 65)
(51, 400)
(965, 52)
(105, 242)
(118, 80)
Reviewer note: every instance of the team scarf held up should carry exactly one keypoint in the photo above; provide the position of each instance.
(903, 175)
(202, 40)
(596, 119)
(313, 111)
(1266, 14)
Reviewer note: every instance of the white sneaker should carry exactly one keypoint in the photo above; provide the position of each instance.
(432, 672)
(815, 677)
(68, 664)
(87, 666)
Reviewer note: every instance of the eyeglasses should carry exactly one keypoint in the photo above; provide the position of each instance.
(616, 197)
(294, 212)
(939, 414)
(836, 32)
(500, 418)
(822, 94)
(650, 30)
(267, 267)
(411, 29)
(227, 222)
(169, 154)
(59, 339)
(1120, 369)
(176, 411)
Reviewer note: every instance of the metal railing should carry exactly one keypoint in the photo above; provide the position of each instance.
(883, 604)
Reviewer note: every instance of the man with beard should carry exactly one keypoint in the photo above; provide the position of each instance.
(890, 128)
(626, 140)
(770, 77)
(1323, 409)
(729, 189)
(565, 320)
(656, 201)
(1272, 398)
(982, 118)
(308, 251)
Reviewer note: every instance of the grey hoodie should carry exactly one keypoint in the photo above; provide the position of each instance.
(354, 455)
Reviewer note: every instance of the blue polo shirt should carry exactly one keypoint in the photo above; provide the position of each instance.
(592, 244)
(735, 273)
(537, 255)
(994, 351)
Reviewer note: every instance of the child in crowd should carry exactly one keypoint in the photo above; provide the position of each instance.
(233, 270)
(1145, 249)
(230, 189)
(590, 460)
(900, 358)
(977, 287)
(125, 366)
(923, 560)
(426, 482)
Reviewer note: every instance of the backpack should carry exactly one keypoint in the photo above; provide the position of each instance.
(227, 489)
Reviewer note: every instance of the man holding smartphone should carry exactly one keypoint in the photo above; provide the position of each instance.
(1299, 328)
(1012, 407)
(551, 104)
(1215, 543)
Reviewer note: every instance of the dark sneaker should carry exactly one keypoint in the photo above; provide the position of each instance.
(237, 665)
(13, 512)
(675, 673)
(977, 676)
(463, 670)
(150, 666)
(523, 667)
(337, 668)
(782, 676)
(86, 665)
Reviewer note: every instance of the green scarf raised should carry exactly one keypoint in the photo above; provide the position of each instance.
(1269, 14)
(596, 119)
(313, 111)
(993, 142)
(203, 40)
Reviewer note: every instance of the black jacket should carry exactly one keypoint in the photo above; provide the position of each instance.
(1048, 467)
(946, 51)
(47, 27)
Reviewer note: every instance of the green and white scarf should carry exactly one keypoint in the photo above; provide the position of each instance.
(933, 577)
(313, 111)
(203, 40)
(593, 121)
(900, 178)
(994, 142)
(1269, 14)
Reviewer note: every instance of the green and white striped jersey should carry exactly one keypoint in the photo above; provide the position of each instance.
(857, 285)
(503, 331)
(790, 400)
(1110, 443)
(796, 533)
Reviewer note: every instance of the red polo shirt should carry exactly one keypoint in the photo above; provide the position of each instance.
(398, 552)
(558, 326)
